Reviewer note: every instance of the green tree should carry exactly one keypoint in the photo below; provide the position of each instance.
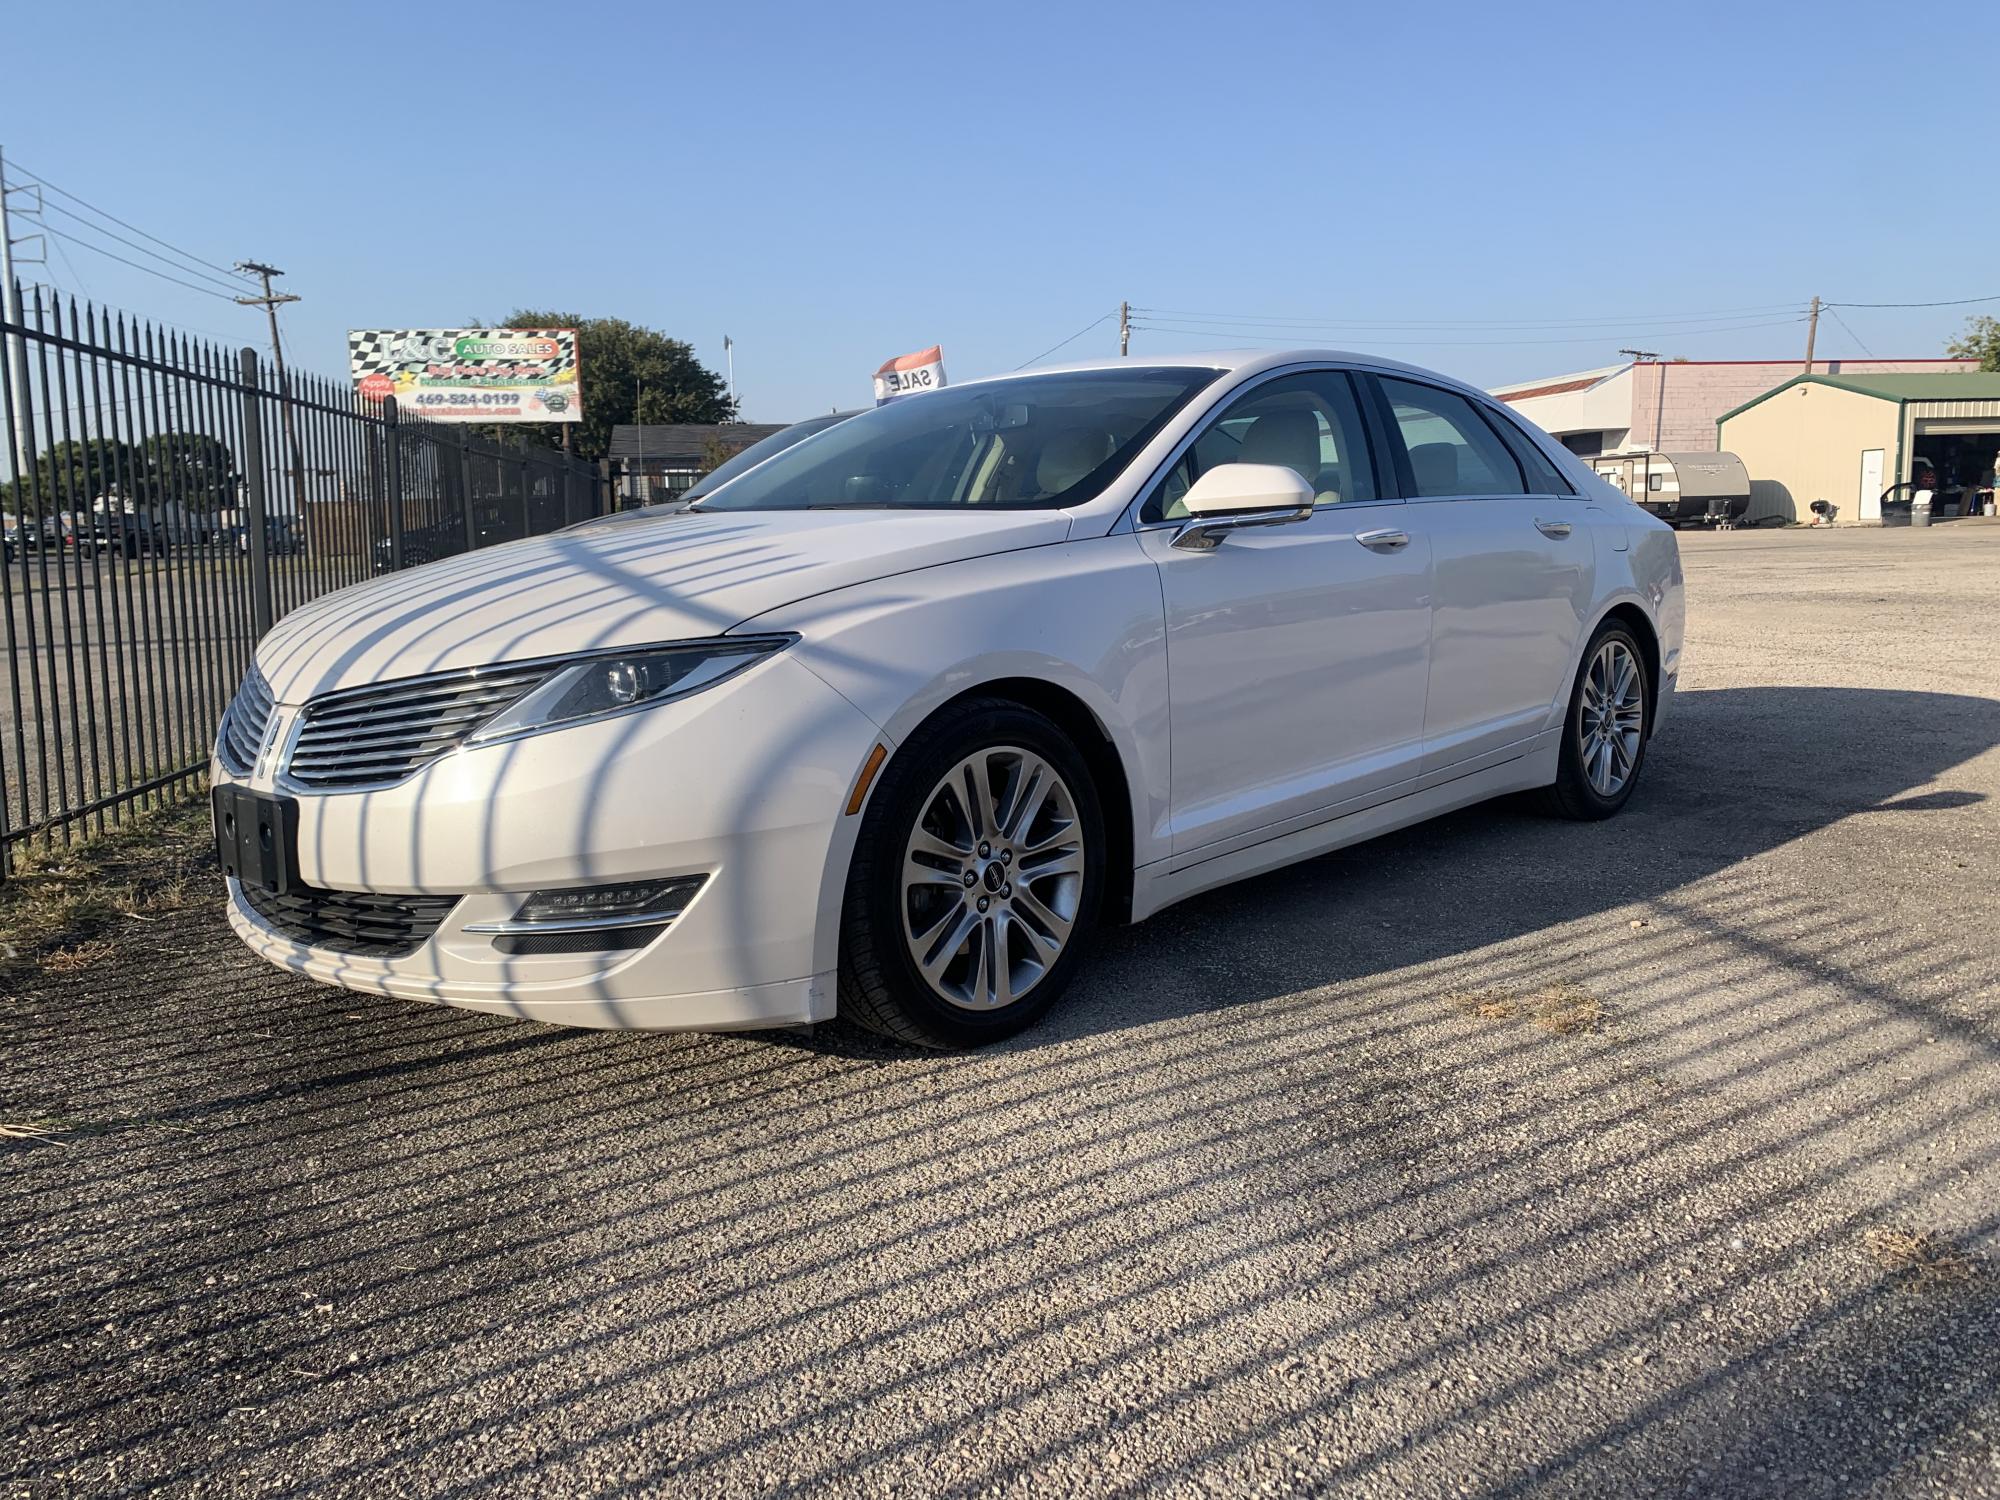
(629, 374)
(715, 453)
(74, 473)
(190, 469)
(1980, 341)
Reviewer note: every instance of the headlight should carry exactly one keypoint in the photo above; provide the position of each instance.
(598, 687)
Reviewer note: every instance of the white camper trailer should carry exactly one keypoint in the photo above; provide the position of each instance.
(1679, 488)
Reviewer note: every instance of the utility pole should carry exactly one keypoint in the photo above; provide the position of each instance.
(1648, 357)
(17, 347)
(269, 302)
(1124, 329)
(1812, 333)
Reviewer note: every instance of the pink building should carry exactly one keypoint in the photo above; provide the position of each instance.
(1671, 406)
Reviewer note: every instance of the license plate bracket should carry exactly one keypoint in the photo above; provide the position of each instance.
(257, 837)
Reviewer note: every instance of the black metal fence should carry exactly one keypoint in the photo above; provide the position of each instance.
(169, 499)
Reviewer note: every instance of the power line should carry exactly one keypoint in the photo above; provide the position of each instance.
(1829, 308)
(1188, 315)
(139, 320)
(1227, 337)
(233, 285)
(137, 266)
(122, 224)
(1070, 340)
(1618, 327)
(1954, 302)
(64, 253)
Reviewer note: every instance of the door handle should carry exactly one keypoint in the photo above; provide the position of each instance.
(1555, 529)
(1385, 540)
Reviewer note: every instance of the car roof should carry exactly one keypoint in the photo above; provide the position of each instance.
(1244, 362)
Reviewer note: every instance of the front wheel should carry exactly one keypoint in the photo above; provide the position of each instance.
(1604, 735)
(976, 879)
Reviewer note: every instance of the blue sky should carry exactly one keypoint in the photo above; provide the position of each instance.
(832, 185)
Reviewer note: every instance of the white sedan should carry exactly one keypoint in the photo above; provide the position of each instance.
(889, 723)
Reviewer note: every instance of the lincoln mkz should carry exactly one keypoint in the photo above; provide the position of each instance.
(888, 723)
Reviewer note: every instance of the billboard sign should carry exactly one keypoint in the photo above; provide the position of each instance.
(907, 374)
(470, 374)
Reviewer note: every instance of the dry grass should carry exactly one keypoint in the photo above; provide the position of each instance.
(82, 956)
(1560, 1009)
(52, 1131)
(1919, 1258)
(64, 909)
(30, 1130)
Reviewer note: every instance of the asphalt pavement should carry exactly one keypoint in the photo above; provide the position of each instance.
(1500, 1157)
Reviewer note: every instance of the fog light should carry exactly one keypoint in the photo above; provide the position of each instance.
(637, 903)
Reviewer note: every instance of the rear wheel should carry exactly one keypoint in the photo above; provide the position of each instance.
(977, 876)
(1604, 736)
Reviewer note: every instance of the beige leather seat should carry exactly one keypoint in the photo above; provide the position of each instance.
(1289, 438)
(1434, 466)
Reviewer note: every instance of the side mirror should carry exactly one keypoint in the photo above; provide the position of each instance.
(1232, 496)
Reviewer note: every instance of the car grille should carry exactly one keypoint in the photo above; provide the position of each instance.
(371, 736)
(244, 723)
(352, 921)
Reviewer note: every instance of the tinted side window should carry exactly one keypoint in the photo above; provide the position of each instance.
(1544, 478)
(1451, 450)
(1309, 423)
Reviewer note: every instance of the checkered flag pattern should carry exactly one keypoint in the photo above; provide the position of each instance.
(388, 351)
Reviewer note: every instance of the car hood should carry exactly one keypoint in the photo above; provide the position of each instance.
(623, 581)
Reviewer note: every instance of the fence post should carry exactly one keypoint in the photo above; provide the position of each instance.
(392, 476)
(527, 513)
(254, 509)
(465, 493)
(606, 500)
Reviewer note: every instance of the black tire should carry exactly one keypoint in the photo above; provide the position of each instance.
(1572, 795)
(880, 984)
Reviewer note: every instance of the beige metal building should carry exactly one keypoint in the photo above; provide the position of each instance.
(1848, 439)
(1670, 405)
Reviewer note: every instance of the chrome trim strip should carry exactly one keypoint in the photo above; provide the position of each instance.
(772, 643)
(776, 640)
(518, 928)
(1204, 533)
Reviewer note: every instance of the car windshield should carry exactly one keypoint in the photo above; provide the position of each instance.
(1036, 442)
(758, 451)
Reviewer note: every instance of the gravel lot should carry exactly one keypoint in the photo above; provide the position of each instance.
(1500, 1157)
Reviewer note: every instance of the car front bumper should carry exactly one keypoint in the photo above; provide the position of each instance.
(743, 784)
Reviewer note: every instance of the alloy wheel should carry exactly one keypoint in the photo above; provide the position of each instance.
(1611, 719)
(992, 878)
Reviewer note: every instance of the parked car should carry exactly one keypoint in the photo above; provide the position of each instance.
(132, 535)
(893, 721)
(282, 537)
(46, 533)
(422, 544)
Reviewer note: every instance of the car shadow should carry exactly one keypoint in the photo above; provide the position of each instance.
(1303, 1147)
(1735, 773)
